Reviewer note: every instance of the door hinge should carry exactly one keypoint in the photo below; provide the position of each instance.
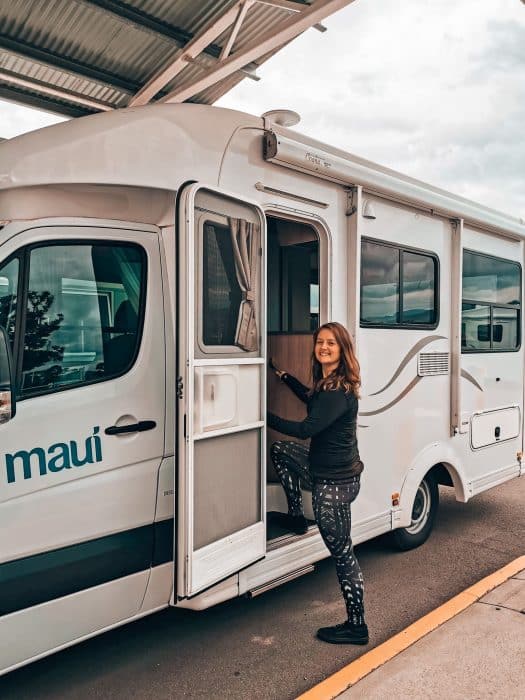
(180, 388)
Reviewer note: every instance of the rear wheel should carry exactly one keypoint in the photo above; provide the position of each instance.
(424, 512)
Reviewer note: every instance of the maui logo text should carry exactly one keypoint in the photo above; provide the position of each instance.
(61, 455)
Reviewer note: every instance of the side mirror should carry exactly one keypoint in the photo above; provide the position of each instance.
(7, 389)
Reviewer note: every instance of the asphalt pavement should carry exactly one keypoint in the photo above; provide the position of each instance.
(472, 647)
(265, 648)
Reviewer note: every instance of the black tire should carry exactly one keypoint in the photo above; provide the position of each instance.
(424, 512)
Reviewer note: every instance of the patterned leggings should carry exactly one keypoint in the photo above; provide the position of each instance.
(331, 504)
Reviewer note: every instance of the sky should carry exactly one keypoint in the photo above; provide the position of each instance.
(432, 88)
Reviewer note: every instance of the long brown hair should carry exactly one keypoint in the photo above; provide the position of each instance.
(347, 375)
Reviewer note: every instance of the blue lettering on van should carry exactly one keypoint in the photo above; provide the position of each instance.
(61, 455)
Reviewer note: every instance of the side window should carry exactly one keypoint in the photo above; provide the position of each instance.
(83, 314)
(379, 284)
(399, 287)
(8, 293)
(491, 303)
(419, 289)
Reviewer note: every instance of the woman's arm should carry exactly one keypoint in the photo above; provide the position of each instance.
(328, 407)
(300, 390)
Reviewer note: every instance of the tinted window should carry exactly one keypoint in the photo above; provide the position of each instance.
(419, 281)
(505, 328)
(8, 292)
(490, 280)
(385, 271)
(84, 303)
(491, 303)
(222, 293)
(475, 327)
(379, 284)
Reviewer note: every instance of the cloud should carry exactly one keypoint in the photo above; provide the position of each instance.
(432, 89)
(504, 50)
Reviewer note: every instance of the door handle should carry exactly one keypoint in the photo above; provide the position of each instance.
(133, 428)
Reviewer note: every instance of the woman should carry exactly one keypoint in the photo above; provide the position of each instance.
(331, 468)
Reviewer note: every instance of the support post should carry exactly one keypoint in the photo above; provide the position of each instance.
(354, 209)
(456, 277)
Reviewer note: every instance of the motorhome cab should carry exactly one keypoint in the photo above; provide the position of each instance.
(152, 260)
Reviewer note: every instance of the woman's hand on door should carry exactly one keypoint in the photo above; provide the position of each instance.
(279, 372)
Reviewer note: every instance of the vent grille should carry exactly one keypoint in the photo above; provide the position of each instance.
(430, 364)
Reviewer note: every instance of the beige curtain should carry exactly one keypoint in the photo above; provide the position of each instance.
(245, 243)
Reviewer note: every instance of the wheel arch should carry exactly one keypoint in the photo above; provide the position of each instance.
(444, 466)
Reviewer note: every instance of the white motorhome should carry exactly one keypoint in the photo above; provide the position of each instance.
(152, 260)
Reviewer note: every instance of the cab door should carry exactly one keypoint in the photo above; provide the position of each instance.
(221, 359)
(82, 304)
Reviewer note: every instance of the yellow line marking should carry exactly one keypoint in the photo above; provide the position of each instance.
(361, 667)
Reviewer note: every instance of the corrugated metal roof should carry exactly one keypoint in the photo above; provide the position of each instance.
(80, 56)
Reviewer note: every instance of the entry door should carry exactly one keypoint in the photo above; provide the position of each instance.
(221, 406)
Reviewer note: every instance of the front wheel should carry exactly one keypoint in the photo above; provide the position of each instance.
(423, 515)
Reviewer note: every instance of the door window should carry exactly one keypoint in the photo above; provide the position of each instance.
(82, 316)
(230, 285)
(222, 294)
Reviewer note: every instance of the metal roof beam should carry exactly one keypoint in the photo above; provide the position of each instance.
(291, 5)
(243, 9)
(13, 94)
(187, 54)
(54, 92)
(56, 61)
(274, 38)
(143, 20)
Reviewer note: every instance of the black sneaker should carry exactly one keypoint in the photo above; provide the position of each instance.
(294, 523)
(344, 634)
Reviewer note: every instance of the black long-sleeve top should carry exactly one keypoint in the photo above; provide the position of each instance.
(331, 424)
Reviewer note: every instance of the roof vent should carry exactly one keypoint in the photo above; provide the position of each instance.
(282, 117)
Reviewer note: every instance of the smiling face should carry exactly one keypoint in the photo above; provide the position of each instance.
(327, 351)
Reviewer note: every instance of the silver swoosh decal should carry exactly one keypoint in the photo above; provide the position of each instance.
(466, 375)
(398, 398)
(410, 354)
